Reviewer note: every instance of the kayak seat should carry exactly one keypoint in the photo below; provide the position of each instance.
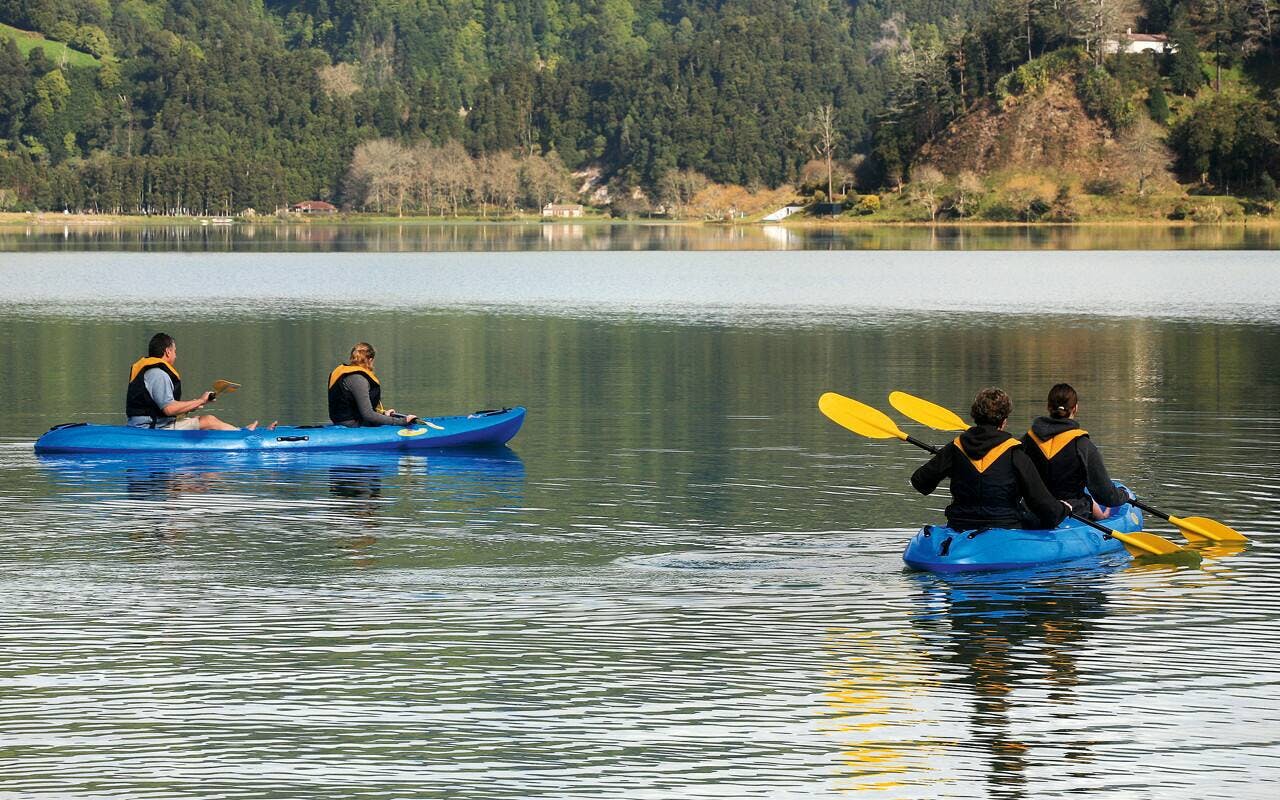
(68, 425)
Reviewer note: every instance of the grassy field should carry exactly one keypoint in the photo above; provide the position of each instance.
(54, 51)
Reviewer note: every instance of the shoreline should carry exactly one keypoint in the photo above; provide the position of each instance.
(49, 219)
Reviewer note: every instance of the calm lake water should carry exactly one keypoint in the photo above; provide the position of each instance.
(680, 580)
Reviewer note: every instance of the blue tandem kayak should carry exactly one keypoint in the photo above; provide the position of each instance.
(483, 428)
(937, 548)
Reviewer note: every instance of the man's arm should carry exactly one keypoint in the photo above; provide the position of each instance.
(160, 387)
(927, 478)
(185, 406)
(1048, 509)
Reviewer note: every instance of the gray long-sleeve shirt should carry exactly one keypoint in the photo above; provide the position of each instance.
(358, 386)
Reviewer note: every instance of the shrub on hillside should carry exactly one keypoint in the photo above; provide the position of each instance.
(868, 204)
(1158, 105)
(1035, 75)
(1030, 196)
(1063, 208)
(1000, 212)
(1103, 187)
(1104, 98)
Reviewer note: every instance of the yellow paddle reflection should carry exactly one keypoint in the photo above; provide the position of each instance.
(872, 694)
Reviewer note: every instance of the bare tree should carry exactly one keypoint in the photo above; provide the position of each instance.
(456, 173)
(679, 187)
(1102, 21)
(424, 157)
(926, 183)
(501, 178)
(1145, 155)
(968, 189)
(544, 178)
(823, 128)
(374, 177)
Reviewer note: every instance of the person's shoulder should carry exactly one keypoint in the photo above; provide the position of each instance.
(157, 376)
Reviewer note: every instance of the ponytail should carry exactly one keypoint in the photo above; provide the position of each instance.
(1062, 399)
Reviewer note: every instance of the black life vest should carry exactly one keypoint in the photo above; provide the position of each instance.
(137, 400)
(1059, 463)
(342, 404)
(984, 491)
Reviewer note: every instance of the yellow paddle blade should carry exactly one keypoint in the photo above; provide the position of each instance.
(926, 413)
(1146, 544)
(1204, 528)
(860, 418)
(224, 387)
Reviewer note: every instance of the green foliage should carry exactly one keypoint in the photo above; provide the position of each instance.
(1184, 67)
(1228, 141)
(92, 39)
(55, 51)
(1104, 98)
(638, 89)
(1035, 75)
(1158, 105)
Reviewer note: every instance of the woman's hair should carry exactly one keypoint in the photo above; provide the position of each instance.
(1062, 398)
(991, 407)
(361, 355)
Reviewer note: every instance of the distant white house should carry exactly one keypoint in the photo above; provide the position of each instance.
(782, 213)
(1130, 42)
(562, 210)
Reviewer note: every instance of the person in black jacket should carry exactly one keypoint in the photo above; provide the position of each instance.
(1067, 459)
(990, 474)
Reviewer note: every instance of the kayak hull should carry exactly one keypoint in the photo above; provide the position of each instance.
(937, 548)
(483, 428)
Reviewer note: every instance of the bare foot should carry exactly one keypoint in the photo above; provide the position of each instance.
(273, 425)
(251, 426)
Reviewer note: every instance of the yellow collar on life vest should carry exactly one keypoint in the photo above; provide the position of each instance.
(143, 363)
(1054, 444)
(992, 455)
(343, 370)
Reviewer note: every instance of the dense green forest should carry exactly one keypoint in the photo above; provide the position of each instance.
(212, 106)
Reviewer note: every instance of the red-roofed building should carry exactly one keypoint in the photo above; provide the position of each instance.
(315, 207)
(1130, 42)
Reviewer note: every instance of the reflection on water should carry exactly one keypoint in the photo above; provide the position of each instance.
(396, 237)
(680, 581)
(1006, 631)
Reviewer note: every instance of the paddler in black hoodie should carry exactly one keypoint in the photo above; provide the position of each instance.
(1068, 461)
(990, 474)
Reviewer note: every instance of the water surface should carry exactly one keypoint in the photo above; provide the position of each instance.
(679, 580)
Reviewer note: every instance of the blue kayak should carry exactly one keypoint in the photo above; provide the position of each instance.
(483, 428)
(937, 548)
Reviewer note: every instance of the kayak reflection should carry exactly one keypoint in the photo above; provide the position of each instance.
(362, 482)
(1014, 630)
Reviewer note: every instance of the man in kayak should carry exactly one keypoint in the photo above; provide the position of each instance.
(355, 393)
(154, 398)
(1068, 461)
(990, 474)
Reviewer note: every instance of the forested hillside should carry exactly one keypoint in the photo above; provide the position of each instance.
(212, 106)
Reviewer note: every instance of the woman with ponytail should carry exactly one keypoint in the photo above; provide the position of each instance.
(355, 393)
(1067, 459)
